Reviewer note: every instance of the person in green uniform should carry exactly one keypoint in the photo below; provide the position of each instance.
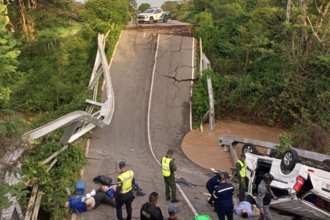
(168, 170)
(241, 168)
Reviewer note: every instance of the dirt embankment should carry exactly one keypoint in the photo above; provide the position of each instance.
(204, 148)
(179, 30)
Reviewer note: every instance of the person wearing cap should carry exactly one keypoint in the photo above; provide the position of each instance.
(265, 196)
(211, 184)
(149, 210)
(173, 212)
(124, 192)
(241, 168)
(223, 198)
(168, 170)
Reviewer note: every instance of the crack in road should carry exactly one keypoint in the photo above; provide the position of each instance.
(179, 80)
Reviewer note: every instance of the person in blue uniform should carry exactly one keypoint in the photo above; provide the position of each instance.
(223, 198)
(212, 184)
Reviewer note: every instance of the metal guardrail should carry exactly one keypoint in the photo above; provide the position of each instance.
(203, 65)
(78, 123)
(229, 143)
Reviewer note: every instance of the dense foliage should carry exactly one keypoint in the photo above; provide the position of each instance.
(143, 7)
(273, 66)
(47, 52)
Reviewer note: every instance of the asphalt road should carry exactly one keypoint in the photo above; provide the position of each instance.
(126, 138)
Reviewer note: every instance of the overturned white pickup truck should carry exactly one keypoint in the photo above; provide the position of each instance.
(301, 178)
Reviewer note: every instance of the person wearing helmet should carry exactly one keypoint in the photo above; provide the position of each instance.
(223, 198)
(265, 195)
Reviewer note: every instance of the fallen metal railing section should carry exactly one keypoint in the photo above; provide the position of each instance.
(78, 123)
(230, 142)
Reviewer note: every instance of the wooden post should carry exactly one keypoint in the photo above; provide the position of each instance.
(52, 164)
(54, 155)
(201, 56)
(37, 206)
(211, 100)
(31, 202)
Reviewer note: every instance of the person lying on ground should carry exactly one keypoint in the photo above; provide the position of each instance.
(108, 190)
(87, 202)
(149, 210)
(245, 210)
(173, 211)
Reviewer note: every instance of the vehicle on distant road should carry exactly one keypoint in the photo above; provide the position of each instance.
(302, 186)
(153, 15)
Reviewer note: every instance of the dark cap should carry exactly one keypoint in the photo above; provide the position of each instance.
(221, 175)
(169, 151)
(226, 174)
(243, 155)
(122, 164)
(173, 209)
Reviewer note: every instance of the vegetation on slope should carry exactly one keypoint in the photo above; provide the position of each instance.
(272, 68)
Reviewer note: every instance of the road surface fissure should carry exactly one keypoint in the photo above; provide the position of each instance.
(148, 124)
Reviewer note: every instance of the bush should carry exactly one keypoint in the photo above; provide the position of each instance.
(52, 183)
(200, 98)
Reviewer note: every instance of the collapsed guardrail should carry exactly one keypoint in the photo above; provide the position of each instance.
(230, 142)
(78, 123)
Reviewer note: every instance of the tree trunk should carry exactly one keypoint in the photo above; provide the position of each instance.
(70, 21)
(31, 22)
(23, 20)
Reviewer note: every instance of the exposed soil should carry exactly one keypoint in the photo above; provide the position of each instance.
(179, 30)
(204, 148)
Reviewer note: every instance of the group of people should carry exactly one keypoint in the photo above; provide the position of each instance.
(122, 194)
(222, 194)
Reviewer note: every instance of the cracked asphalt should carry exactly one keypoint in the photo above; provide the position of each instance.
(126, 138)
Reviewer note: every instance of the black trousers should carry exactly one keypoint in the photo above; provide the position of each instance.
(101, 197)
(126, 199)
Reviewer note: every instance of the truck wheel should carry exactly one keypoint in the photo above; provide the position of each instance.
(165, 19)
(290, 159)
(151, 20)
(249, 148)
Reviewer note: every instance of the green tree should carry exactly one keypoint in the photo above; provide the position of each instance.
(143, 7)
(8, 56)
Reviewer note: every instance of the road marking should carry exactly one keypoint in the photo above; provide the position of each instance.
(192, 77)
(149, 137)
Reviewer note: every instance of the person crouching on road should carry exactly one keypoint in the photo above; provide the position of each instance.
(265, 196)
(223, 198)
(124, 192)
(168, 170)
(241, 168)
(173, 211)
(149, 210)
(212, 184)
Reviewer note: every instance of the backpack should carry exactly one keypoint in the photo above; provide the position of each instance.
(104, 180)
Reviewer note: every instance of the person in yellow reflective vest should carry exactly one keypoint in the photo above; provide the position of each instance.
(241, 168)
(168, 170)
(124, 192)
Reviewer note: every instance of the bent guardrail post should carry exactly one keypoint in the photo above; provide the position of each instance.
(232, 140)
(211, 101)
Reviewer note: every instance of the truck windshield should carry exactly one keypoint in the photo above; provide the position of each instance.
(149, 11)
